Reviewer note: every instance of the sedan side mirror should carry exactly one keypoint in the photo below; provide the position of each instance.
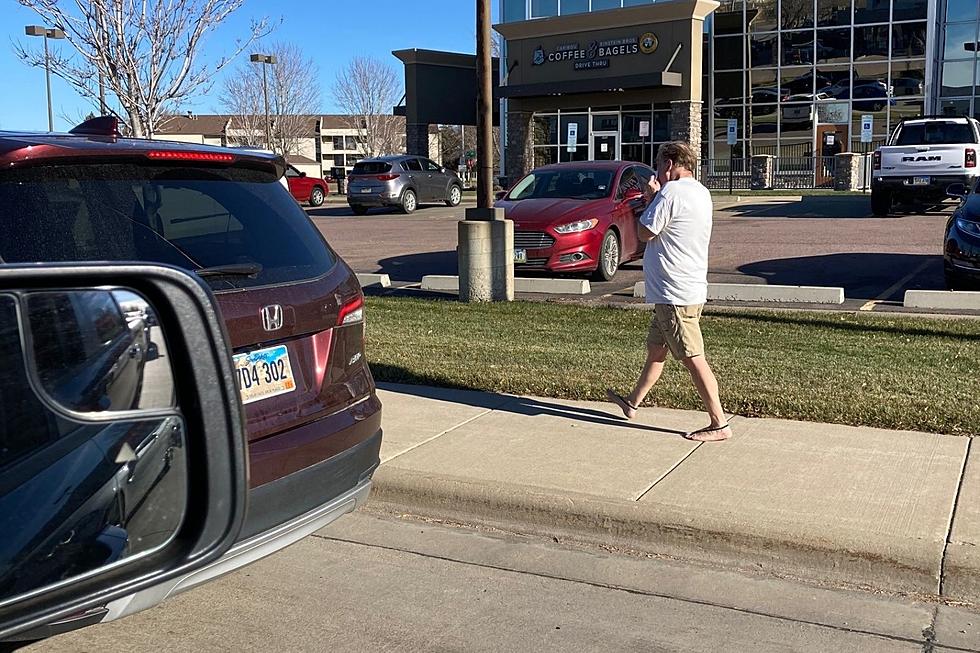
(957, 190)
(500, 194)
(302, 174)
(119, 481)
(632, 194)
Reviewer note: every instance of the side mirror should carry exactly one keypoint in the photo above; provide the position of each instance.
(957, 190)
(302, 174)
(500, 194)
(117, 477)
(632, 194)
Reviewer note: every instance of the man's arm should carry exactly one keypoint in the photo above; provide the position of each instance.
(652, 216)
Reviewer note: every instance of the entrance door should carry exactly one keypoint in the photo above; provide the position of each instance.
(605, 146)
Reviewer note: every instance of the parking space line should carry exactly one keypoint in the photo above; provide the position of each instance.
(626, 290)
(898, 284)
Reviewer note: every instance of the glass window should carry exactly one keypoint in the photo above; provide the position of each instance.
(605, 122)
(871, 43)
(764, 86)
(798, 48)
(760, 146)
(728, 88)
(430, 166)
(958, 37)
(729, 53)
(515, 10)
(908, 78)
(640, 152)
(834, 81)
(833, 45)
(957, 78)
(910, 10)
(631, 127)
(879, 122)
(661, 126)
(905, 109)
(796, 148)
(544, 156)
(338, 142)
(722, 116)
(831, 13)
(762, 17)
(599, 5)
(908, 41)
(764, 120)
(729, 18)
(544, 8)
(581, 152)
(793, 81)
(629, 181)
(961, 9)
(955, 107)
(578, 182)
(936, 133)
(870, 87)
(762, 50)
(574, 6)
(636, 3)
(797, 14)
(412, 165)
(545, 130)
(871, 11)
(339, 160)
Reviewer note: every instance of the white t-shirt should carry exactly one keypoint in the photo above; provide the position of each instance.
(675, 264)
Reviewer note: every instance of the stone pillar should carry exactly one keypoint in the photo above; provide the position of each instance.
(486, 256)
(519, 154)
(847, 171)
(763, 171)
(417, 139)
(685, 123)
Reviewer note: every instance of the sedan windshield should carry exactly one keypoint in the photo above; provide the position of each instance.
(579, 184)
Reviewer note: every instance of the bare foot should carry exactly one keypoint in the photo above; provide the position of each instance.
(629, 410)
(711, 434)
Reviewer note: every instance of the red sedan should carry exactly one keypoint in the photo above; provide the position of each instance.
(577, 217)
(312, 190)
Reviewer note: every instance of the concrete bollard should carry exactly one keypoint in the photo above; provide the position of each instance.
(486, 256)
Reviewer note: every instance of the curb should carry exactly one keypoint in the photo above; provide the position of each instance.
(447, 283)
(368, 279)
(760, 292)
(662, 530)
(942, 299)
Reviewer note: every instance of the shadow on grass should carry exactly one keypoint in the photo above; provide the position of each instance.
(824, 323)
(402, 381)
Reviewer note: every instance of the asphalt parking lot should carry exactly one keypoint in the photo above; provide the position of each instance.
(818, 241)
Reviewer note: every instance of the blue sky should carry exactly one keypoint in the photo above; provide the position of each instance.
(328, 32)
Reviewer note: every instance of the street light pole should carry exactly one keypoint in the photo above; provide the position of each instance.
(484, 114)
(265, 59)
(46, 33)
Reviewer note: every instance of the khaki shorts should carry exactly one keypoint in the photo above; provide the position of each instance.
(678, 328)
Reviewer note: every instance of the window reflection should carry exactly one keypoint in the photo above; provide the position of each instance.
(955, 107)
(910, 10)
(544, 8)
(833, 12)
(871, 11)
(728, 88)
(797, 14)
(834, 81)
(760, 15)
(574, 6)
(961, 9)
(796, 80)
(514, 10)
(833, 45)
(729, 18)
(958, 38)
(909, 41)
(871, 43)
(797, 48)
(957, 78)
(729, 53)
(762, 50)
(908, 78)
(545, 130)
(764, 87)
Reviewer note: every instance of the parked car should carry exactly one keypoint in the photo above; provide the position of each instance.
(312, 190)
(577, 217)
(961, 252)
(402, 181)
(800, 114)
(292, 308)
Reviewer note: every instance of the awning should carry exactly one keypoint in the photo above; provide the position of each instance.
(648, 80)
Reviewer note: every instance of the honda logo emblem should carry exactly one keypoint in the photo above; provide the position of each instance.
(272, 317)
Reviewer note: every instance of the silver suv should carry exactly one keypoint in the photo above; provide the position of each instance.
(404, 181)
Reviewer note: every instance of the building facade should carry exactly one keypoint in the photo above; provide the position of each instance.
(801, 77)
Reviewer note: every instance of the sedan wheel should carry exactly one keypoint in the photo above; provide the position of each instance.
(316, 196)
(608, 257)
(409, 201)
(455, 196)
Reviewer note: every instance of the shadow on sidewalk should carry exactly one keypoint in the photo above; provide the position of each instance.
(504, 403)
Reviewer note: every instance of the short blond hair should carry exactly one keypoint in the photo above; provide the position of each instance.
(680, 153)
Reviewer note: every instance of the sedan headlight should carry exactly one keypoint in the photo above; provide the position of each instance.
(967, 227)
(576, 227)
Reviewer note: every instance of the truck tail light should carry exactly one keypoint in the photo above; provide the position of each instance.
(876, 160)
(387, 177)
(971, 158)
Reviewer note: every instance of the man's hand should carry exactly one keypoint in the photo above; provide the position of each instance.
(651, 189)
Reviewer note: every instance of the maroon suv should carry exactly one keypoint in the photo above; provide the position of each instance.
(293, 309)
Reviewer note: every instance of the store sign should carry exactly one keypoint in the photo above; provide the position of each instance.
(596, 54)
(572, 137)
(644, 128)
(867, 127)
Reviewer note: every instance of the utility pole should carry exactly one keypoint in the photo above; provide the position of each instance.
(265, 59)
(47, 33)
(484, 108)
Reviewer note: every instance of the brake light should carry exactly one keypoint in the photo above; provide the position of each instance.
(876, 160)
(386, 177)
(352, 312)
(971, 158)
(202, 157)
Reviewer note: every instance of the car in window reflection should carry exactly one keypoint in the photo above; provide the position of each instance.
(799, 114)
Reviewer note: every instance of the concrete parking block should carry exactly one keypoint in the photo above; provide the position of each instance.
(758, 292)
(368, 279)
(942, 299)
(962, 578)
(413, 415)
(440, 283)
(855, 505)
(444, 283)
(561, 445)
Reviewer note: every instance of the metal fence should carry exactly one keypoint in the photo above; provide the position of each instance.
(717, 174)
(804, 172)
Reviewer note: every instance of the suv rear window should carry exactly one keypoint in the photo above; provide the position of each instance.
(936, 133)
(371, 168)
(189, 217)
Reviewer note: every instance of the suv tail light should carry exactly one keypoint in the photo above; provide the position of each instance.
(971, 158)
(352, 312)
(202, 157)
(876, 160)
(388, 177)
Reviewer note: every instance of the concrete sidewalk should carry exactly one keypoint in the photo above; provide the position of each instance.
(889, 510)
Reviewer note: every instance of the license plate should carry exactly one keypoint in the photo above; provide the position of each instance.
(520, 256)
(920, 181)
(264, 373)
(365, 190)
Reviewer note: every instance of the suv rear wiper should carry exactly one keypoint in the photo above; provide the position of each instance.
(230, 270)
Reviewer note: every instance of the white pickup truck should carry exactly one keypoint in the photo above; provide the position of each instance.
(922, 158)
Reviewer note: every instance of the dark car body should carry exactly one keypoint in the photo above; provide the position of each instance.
(402, 181)
(314, 441)
(961, 252)
(311, 190)
(606, 192)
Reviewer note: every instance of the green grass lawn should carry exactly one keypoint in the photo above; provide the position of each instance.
(802, 192)
(900, 373)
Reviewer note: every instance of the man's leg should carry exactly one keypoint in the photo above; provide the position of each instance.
(652, 369)
(707, 387)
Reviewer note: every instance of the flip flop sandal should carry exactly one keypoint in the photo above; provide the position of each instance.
(629, 410)
(706, 430)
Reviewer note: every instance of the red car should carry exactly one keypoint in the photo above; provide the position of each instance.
(304, 188)
(577, 217)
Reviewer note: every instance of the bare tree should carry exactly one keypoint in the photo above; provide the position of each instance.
(294, 96)
(366, 91)
(147, 52)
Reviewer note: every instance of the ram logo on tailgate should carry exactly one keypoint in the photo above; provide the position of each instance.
(934, 157)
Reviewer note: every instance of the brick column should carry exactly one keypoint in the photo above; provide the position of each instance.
(519, 154)
(685, 123)
(417, 139)
(763, 171)
(847, 172)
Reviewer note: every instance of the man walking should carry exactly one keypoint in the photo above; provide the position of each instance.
(677, 228)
